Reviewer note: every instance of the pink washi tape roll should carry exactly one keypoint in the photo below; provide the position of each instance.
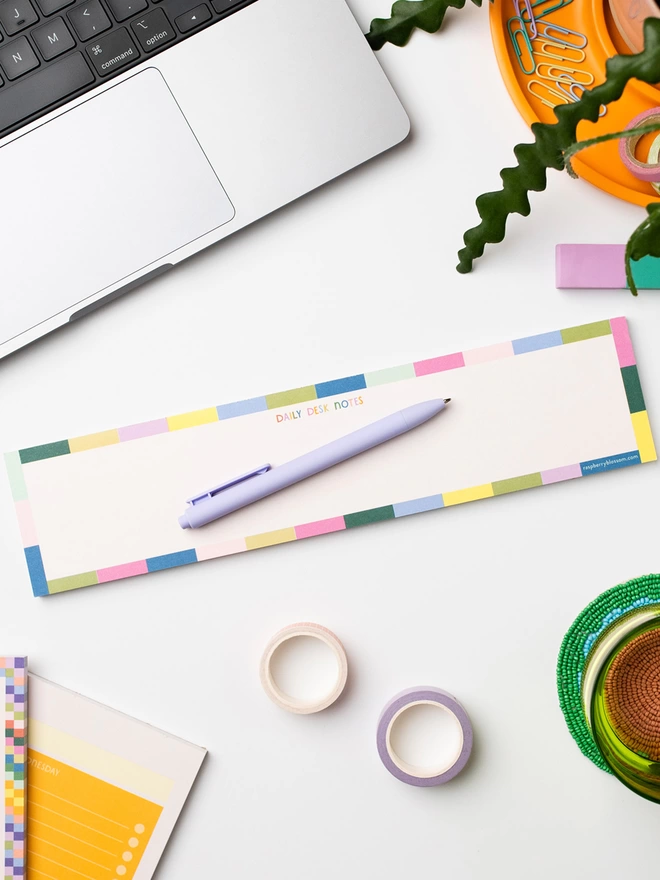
(647, 171)
(286, 701)
(408, 773)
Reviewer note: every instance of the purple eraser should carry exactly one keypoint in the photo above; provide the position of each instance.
(590, 265)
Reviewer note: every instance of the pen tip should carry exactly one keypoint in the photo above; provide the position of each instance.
(447, 399)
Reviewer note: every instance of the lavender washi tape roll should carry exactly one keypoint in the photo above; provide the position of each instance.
(420, 696)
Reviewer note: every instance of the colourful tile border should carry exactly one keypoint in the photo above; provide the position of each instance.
(14, 674)
(617, 327)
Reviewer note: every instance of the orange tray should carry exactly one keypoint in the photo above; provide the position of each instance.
(600, 165)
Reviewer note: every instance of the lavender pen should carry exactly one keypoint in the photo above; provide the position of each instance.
(266, 480)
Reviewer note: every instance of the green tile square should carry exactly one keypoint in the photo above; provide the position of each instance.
(291, 397)
(48, 450)
(586, 331)
(364, 517)
(633, 388)
(515, 484)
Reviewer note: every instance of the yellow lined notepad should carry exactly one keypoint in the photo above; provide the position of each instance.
(104, 790)
(66, 837)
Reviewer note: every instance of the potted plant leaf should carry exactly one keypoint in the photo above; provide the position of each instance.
(554, 143)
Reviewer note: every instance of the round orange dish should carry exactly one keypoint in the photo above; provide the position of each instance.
(553, 72)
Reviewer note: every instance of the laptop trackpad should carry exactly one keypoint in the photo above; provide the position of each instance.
(100, 192)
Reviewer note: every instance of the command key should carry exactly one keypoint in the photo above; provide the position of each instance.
(112, 52)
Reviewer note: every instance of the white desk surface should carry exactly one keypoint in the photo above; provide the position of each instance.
(359, 276)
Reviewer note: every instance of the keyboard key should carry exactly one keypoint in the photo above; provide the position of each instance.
(89, 19)
(113, 52)
(222, 6)
(190, 20)
(53, 38)
(153, 30)
(16, 15)
(123, 9)
(17, 58)
(49, 6)
(34, 94)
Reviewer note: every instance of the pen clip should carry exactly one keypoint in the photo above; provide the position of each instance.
(204, 496)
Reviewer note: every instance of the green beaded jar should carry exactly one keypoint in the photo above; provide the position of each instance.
(608, 680)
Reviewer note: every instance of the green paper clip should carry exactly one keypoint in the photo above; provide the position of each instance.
(517, 34)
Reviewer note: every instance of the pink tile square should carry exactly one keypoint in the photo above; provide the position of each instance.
(439, 364)
(227, 548)
(622, 342)
(117, 572)
(322, 527)
(488, 353)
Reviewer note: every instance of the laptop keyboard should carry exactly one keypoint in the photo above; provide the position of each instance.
(54, 50)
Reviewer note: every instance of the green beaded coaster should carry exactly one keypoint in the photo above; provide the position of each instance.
(587, 630)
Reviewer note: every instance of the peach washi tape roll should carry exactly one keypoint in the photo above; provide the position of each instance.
(647, 171)
(286, 701)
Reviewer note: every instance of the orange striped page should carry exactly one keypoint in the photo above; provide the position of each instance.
(82, 827)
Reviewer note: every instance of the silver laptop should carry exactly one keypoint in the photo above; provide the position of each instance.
(134, 133)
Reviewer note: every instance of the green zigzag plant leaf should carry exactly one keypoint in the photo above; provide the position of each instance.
(645, 240)
(406, 15)
(551, 140)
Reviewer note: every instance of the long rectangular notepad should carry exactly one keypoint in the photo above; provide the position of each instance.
(13, 679)
(524, 413)
(104, 790)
